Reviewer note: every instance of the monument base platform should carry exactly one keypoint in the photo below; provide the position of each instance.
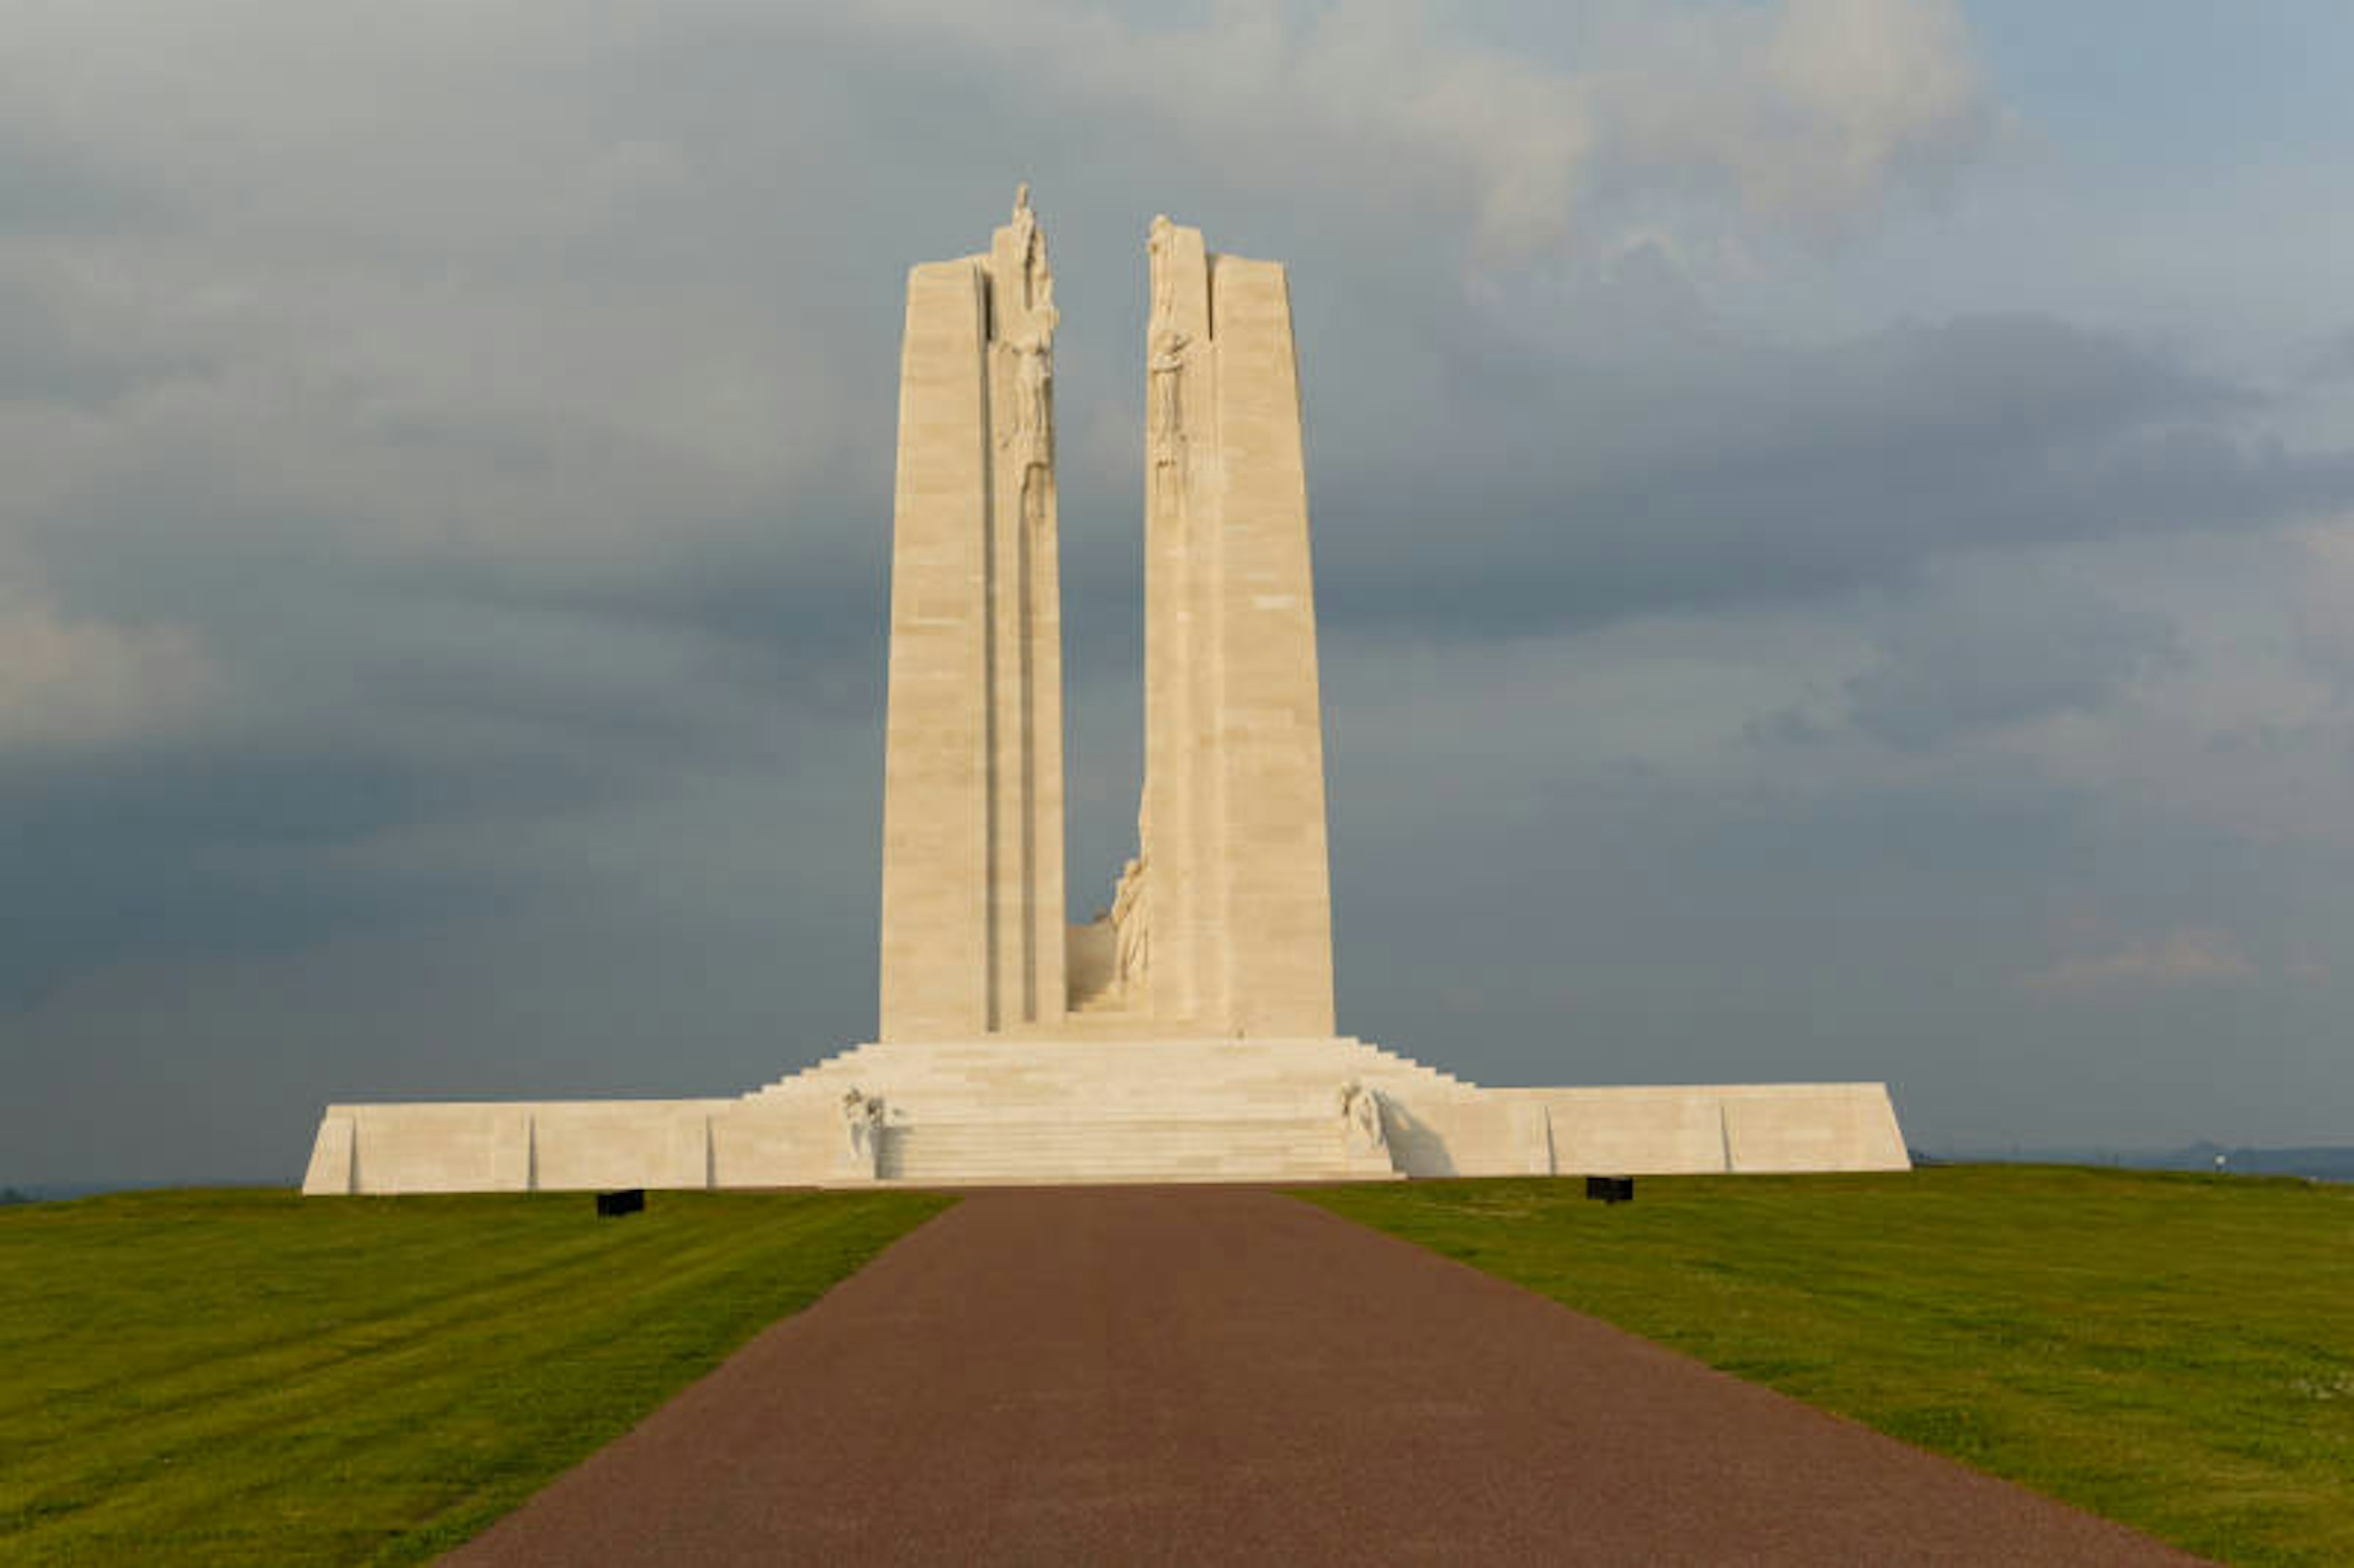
(1010, 1110)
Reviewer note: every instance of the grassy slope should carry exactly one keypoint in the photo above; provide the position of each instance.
(252, 1377)
(2174, 1352)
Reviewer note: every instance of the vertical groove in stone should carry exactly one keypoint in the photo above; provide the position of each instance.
(1179, 501)
(994, 722)
(1026, 891)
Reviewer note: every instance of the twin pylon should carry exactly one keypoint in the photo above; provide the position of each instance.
(1221, 924)
(1188, 1035)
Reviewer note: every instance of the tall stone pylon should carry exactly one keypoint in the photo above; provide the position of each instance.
(1226, 918)
(973, 924)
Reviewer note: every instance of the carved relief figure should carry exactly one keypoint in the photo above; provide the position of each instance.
(1131, 911)
(1024, 224)
(1038, 277)
(1158, 244)
(1029, 332)
(1165, 413)
(862, 1124)
(1361, 1119)
(1165, 348)
(1132, 935)
(1032, 427)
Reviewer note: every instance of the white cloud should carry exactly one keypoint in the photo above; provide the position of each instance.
(2249, 731)
(484, 278)
(2191, 957)
(1809, 110)
(70, 683)
(1848, 96)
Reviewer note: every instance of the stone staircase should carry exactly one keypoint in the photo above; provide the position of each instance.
(1051, 1107)
(1106, 999)
(1295, 1149)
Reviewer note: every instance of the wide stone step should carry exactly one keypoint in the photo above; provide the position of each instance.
(1176, 1078)
(911, 1160)
(910, 1164)
(1134, 1178)
(1026, 1100)
(1040, 1077)
(1115, 1136)
(1245, 1149)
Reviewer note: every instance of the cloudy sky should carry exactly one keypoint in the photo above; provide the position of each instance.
(1835, 524)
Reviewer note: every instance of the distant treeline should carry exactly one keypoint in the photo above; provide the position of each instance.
(2323, 1162)
(2318, 1162)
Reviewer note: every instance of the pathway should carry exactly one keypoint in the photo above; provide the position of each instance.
(1225, 1374)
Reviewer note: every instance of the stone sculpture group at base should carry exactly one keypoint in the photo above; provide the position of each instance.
(1187, 1033)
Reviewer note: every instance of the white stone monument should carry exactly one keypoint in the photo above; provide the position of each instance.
(1188, 1035)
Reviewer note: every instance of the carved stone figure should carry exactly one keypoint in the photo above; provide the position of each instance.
(862, 1124)
(1165, 346)
(1032, 427)
(1028, 329)
(1164, 381)
(1025, 223)
(1361, 1119)
(1037, 276)
(1038, 285)
(1160, 244)
(1131, 929)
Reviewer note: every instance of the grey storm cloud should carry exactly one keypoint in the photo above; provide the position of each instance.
(1945, 670)
(1754, 472)
(52, 184)
(2333, 361)
(58, 356)
(518, 685)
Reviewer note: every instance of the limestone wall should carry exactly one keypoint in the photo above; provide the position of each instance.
(1758, 1128)
(997, 1110)
(573, 1145)
(512, 1147)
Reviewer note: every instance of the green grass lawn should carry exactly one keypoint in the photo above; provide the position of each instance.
(252, 1377)
(2174, 1352)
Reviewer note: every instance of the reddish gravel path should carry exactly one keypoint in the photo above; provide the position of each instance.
(1187, 1375)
